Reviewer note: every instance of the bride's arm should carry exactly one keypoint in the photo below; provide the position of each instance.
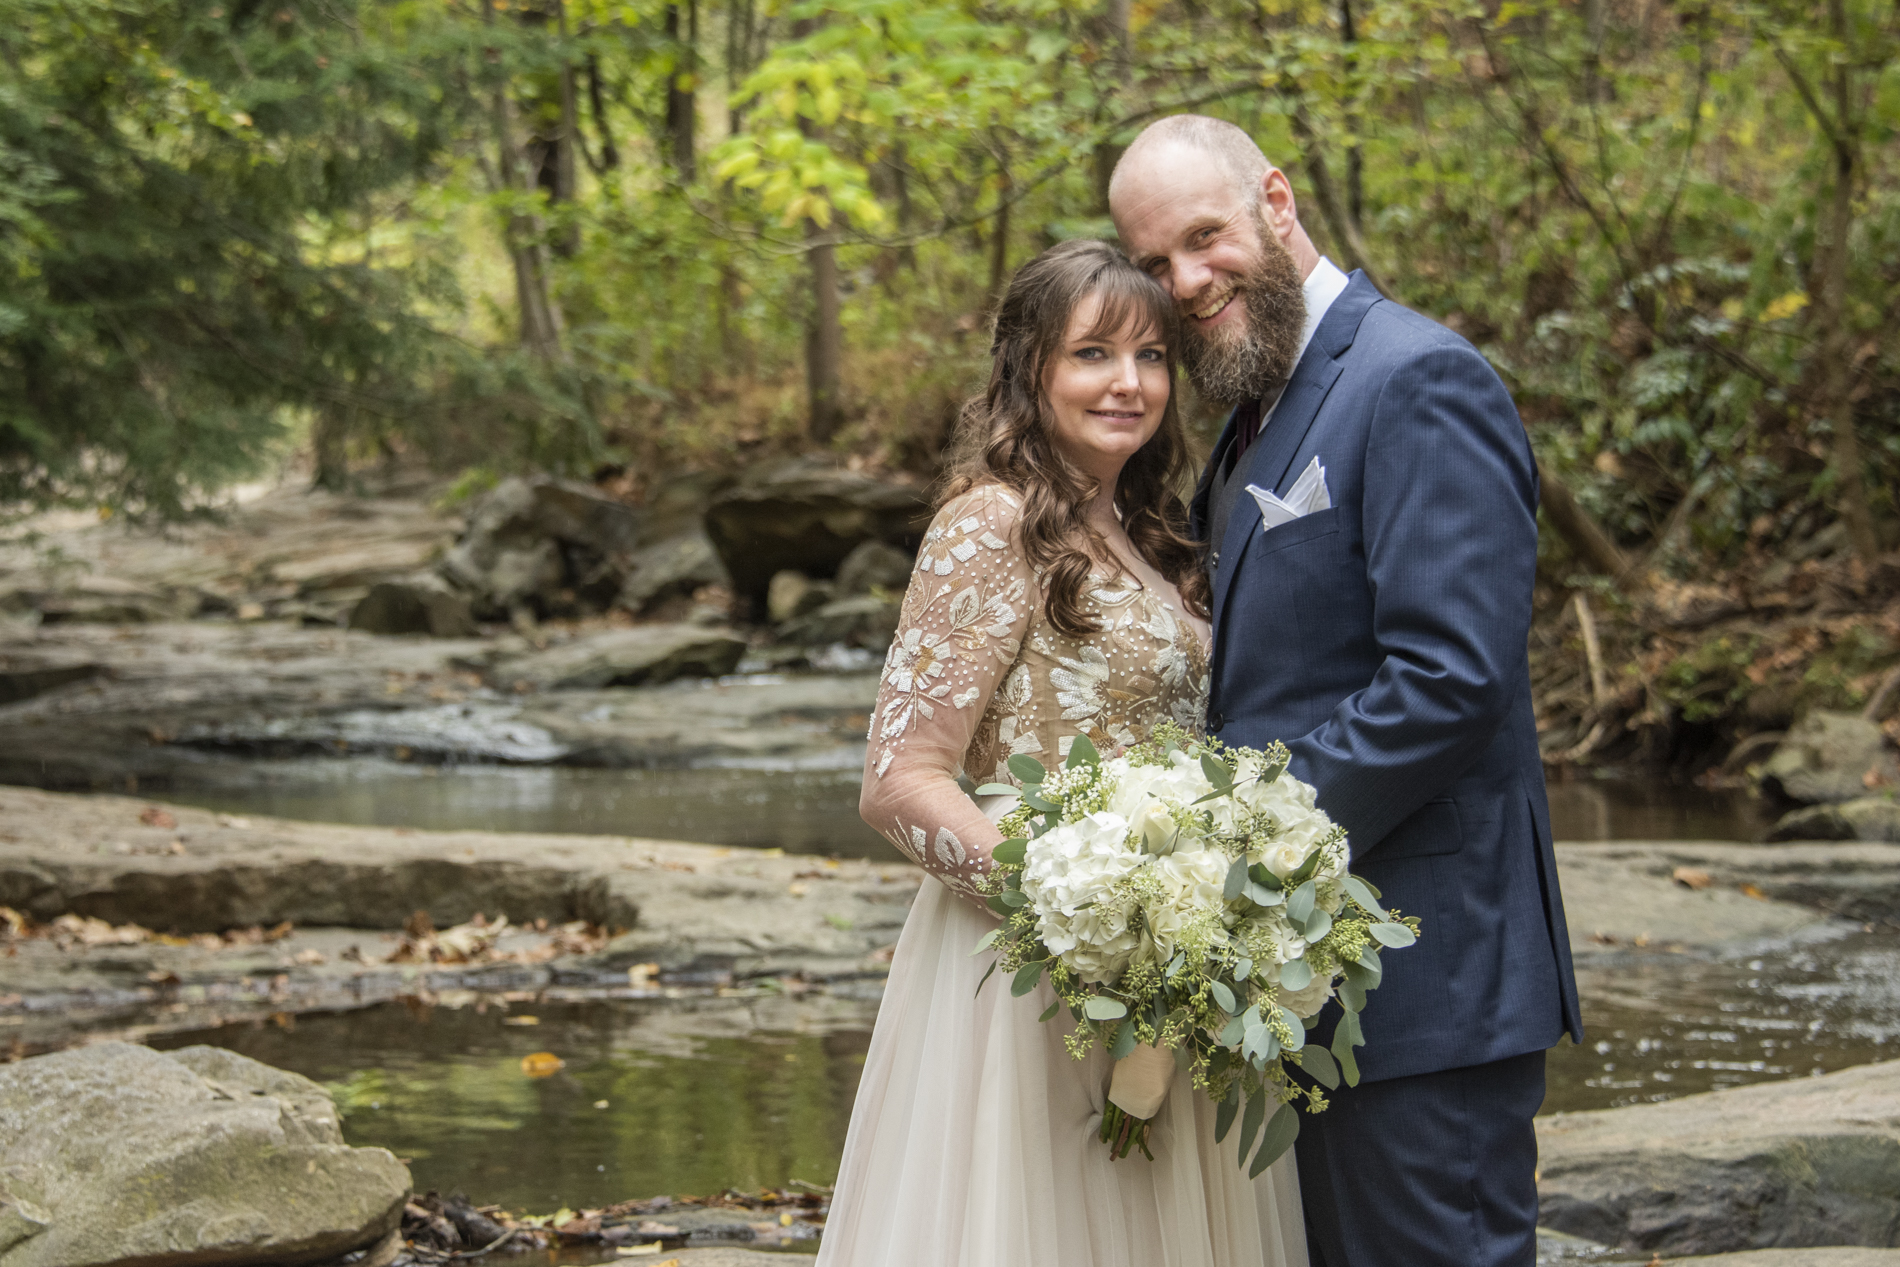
(962, 625)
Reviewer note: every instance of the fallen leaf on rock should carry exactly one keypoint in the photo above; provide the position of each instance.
(600, 1104)
(653, 1227)
(310, 958)
(1692, 877)
(640, 975)
(520, 1020)
(234, 821)
(1749, 890)
(157, 816)
(542, 1064)
(636, 1251)
(840, 922)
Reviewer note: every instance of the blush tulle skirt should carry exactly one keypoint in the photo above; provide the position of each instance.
(972, 1143)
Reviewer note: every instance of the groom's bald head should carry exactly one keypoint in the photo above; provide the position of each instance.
(1182, 136)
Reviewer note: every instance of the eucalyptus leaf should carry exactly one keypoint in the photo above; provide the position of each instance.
(996, 903)
(1243, 970)
(1318, 924)
(1050, 1011)
(1280, 1134)
(1041, 803)
(1300, 906)
(1352, 996)
(1176, 964)
(1224, 1116)
(1271, 771)
(1026, 978)
(1260, 895)
(1397, 936)
(987, 973)
(996, 789)
(1102, 1008)
(1296, 974)
(1369, 960)
(1028, 769)
(1223, 997)
(1318, 1062)
(1264, 878)
(1218, 772)
(1236, 879)
(1296, 1026)
(989, 939)
(1361, 892)
(1233, 1033)
(1348, 1063)
(1013, 898)
(1250, 1121)
(1305, 870)
(1011, 853)
(1082, 752)
(1124, 1044)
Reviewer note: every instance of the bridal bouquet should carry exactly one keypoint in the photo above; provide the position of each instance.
(1189, 903)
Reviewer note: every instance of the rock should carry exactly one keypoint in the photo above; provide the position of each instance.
(1863, 818)
(421, 603)
(792, 594)
(545, 543)
(1829, 757)
(807, 516)
(118, 1154)
(1828, 1256)
(874, 565)
(672, 568)
(643, 656)
(105, 600)
(25, 674)
(1814, 1161)
(864, 621)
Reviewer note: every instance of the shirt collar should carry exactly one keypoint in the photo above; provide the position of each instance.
(1322, 286)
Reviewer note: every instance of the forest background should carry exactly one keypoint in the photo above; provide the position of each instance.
(626, 239)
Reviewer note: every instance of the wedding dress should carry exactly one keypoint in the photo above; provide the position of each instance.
(973, 1140)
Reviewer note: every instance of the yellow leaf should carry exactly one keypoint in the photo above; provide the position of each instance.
(542, 1064)
(1786, 306)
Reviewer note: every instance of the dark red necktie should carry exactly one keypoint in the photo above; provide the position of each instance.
(1246, 428)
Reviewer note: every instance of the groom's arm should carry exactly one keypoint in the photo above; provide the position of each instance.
(1450, 529)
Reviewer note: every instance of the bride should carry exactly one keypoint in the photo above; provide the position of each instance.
(1056, 594)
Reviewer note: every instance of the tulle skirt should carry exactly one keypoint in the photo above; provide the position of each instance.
(972, 1143)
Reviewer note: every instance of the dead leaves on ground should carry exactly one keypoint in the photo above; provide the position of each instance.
(478, 941)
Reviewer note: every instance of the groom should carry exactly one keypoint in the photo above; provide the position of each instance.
(1374, 616)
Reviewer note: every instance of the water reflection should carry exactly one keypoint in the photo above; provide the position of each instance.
(810, 808)
(697, 1094)
(640, 1105)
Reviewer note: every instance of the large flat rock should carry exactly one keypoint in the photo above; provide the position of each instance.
(1811, 1162)
(190, 705)
(684, 907)
(115, 1154)
(1848, 880)
(1831, 1256)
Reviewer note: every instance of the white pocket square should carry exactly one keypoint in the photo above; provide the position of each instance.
(1308, 494)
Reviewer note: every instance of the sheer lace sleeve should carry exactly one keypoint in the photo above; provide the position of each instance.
(961, 629)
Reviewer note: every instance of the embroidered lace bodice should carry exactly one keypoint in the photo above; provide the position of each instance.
(977, 675)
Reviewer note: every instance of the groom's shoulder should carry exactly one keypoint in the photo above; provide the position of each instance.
(1391, 331)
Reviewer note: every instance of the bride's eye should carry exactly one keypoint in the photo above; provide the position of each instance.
(1154, 354)
(1089, 354)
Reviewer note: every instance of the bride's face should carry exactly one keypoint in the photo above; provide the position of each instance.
(1106, 393)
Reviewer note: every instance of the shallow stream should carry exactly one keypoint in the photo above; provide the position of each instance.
(695, 1094)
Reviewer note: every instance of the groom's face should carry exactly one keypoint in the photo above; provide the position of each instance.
(1190, 225)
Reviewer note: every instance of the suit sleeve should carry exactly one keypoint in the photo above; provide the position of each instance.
(1450, 530)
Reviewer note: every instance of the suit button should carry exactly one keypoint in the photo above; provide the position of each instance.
(1215, 722)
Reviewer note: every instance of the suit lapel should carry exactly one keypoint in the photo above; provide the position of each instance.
(1272, 455)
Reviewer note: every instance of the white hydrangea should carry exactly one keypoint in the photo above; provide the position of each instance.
(1069, 877)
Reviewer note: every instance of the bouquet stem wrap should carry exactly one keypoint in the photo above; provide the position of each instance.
(1140, 1084)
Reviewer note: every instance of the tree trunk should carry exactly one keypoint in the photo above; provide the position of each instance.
(1837, 340)
(1355, 153)
(1333, 205)
(824, 339)
(681, 84)
(329, 443)
(999, 236)
(609, 152)
(524, 234)
(1580, 530)
(1118, 50)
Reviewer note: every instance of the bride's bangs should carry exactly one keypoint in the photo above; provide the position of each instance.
(1131, 302)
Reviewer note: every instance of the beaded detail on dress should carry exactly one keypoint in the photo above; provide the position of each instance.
(976, 675)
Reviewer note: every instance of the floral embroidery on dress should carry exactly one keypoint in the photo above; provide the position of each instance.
(976, 675)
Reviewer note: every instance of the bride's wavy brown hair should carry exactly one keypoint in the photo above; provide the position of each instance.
(1005, 435)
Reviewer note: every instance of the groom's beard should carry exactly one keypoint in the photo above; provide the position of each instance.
(1246, 361)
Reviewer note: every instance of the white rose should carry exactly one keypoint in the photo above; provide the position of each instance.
(1284, 857)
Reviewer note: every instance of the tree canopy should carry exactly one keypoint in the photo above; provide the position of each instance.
(572, 232)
